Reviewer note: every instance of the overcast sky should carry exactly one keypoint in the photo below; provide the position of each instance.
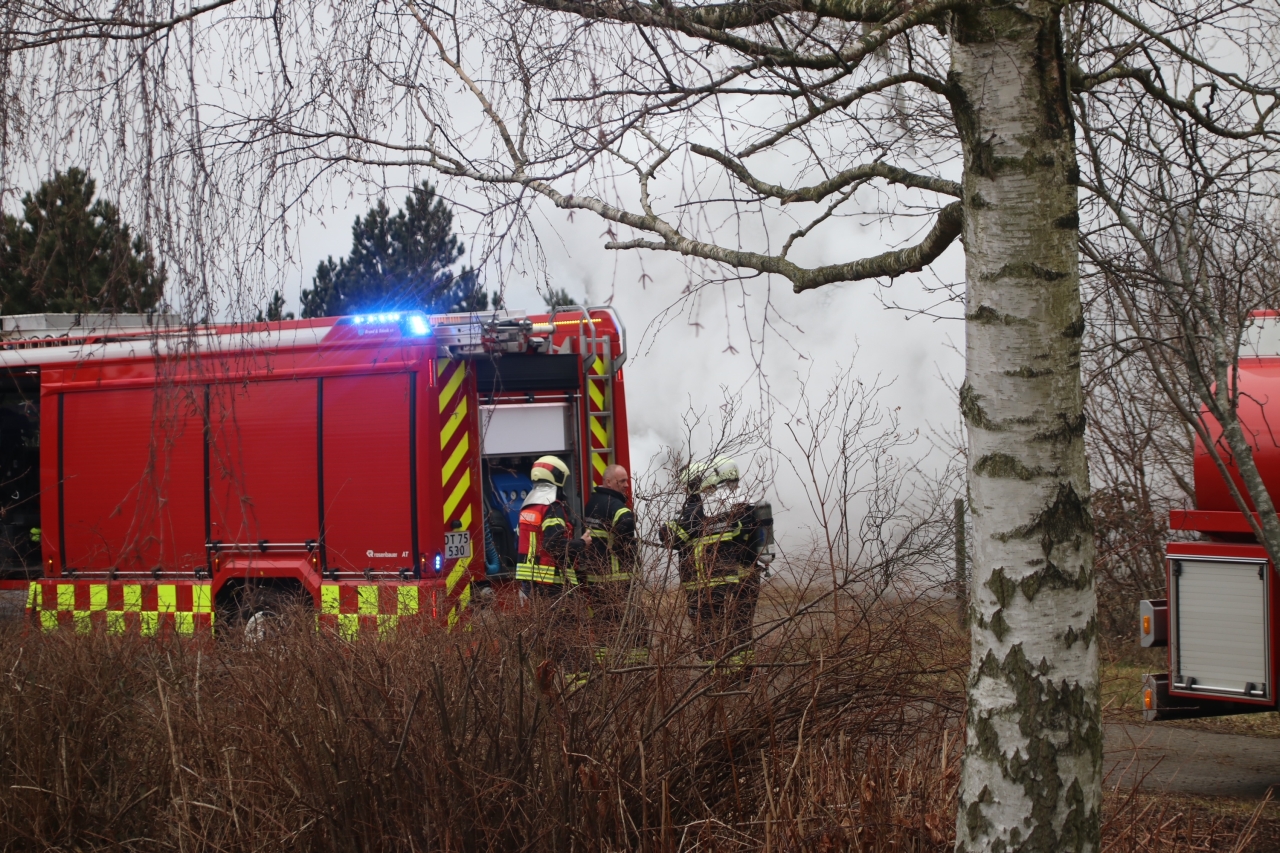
(683, 363)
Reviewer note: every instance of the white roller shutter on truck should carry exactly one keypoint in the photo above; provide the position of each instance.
(1220, 627)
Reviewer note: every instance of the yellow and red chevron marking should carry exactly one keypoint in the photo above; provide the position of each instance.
(458, 449)
(377, 609)
(120, 607)
(601, 428)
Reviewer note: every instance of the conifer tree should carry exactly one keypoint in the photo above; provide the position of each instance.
(68, 253)
(401, 261)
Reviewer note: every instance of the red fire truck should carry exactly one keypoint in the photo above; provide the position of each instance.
(1219, 619)
(167, 479)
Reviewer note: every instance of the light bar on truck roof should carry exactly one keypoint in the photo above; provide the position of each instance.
(412, 323)
(417, 325)
(376, 319)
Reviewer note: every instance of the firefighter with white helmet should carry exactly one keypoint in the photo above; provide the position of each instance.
(549, 551)
(680, 532)
(695, 477)
(720, 567)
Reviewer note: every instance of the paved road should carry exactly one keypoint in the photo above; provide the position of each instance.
(1190, 761)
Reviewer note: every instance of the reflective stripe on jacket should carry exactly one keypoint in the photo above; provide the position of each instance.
(537, 564)
(723, 551)
(611, 554)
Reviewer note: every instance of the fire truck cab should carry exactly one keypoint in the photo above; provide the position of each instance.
(166, 478)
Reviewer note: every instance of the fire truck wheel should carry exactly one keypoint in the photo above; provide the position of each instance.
(257, 613)
(260, 626)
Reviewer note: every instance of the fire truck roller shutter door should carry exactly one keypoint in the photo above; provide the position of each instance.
(526, 429)
(366, 472)
(133, 479)
(263, 480)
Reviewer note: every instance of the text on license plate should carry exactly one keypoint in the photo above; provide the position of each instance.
(457, 545)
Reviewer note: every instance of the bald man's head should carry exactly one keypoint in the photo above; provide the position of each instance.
(616, 478)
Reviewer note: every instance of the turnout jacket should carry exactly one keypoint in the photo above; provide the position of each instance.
(683, 531)
(721, 549)
(548, 548)
(612, 552)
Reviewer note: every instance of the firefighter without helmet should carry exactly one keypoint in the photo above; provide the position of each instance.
(551, 470)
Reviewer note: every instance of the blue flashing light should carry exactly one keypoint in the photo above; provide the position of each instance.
(418, 325)
(439, 564)
(376, 319)
(412, 323)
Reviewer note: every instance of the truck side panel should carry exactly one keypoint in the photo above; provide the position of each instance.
(262, 462)
(132, 480)
(367, 500)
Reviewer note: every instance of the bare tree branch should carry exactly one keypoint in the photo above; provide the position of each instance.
(65, 26)
(725, 16)
(887, 265)
(893, 20)
(817, 192)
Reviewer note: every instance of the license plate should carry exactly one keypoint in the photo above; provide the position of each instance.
(457, 545)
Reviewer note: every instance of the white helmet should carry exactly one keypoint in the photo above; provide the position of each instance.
(696, 476)
(724, 472)
(549, 469)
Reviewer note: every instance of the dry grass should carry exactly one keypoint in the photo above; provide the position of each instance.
(846, 738)
(468, 742)
(1138, 822)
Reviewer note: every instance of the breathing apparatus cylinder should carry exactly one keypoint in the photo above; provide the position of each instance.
(763, 512)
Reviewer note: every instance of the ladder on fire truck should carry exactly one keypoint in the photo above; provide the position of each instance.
(599, 388)
(599, 370)
(469, 335)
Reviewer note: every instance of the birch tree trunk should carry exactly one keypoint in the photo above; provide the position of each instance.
(1032, 768)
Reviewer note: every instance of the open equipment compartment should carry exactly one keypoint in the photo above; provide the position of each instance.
(525, 413)
(19, 473)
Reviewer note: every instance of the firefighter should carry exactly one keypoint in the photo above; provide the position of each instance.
(549, 554)
(680, 533)
(610, 564)
(720, 569)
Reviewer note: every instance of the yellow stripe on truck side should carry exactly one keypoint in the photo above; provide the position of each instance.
(455, 477)
(449, 425)
(120, 606)
(455, 459)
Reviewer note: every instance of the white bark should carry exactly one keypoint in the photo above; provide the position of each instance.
(1031, 777)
